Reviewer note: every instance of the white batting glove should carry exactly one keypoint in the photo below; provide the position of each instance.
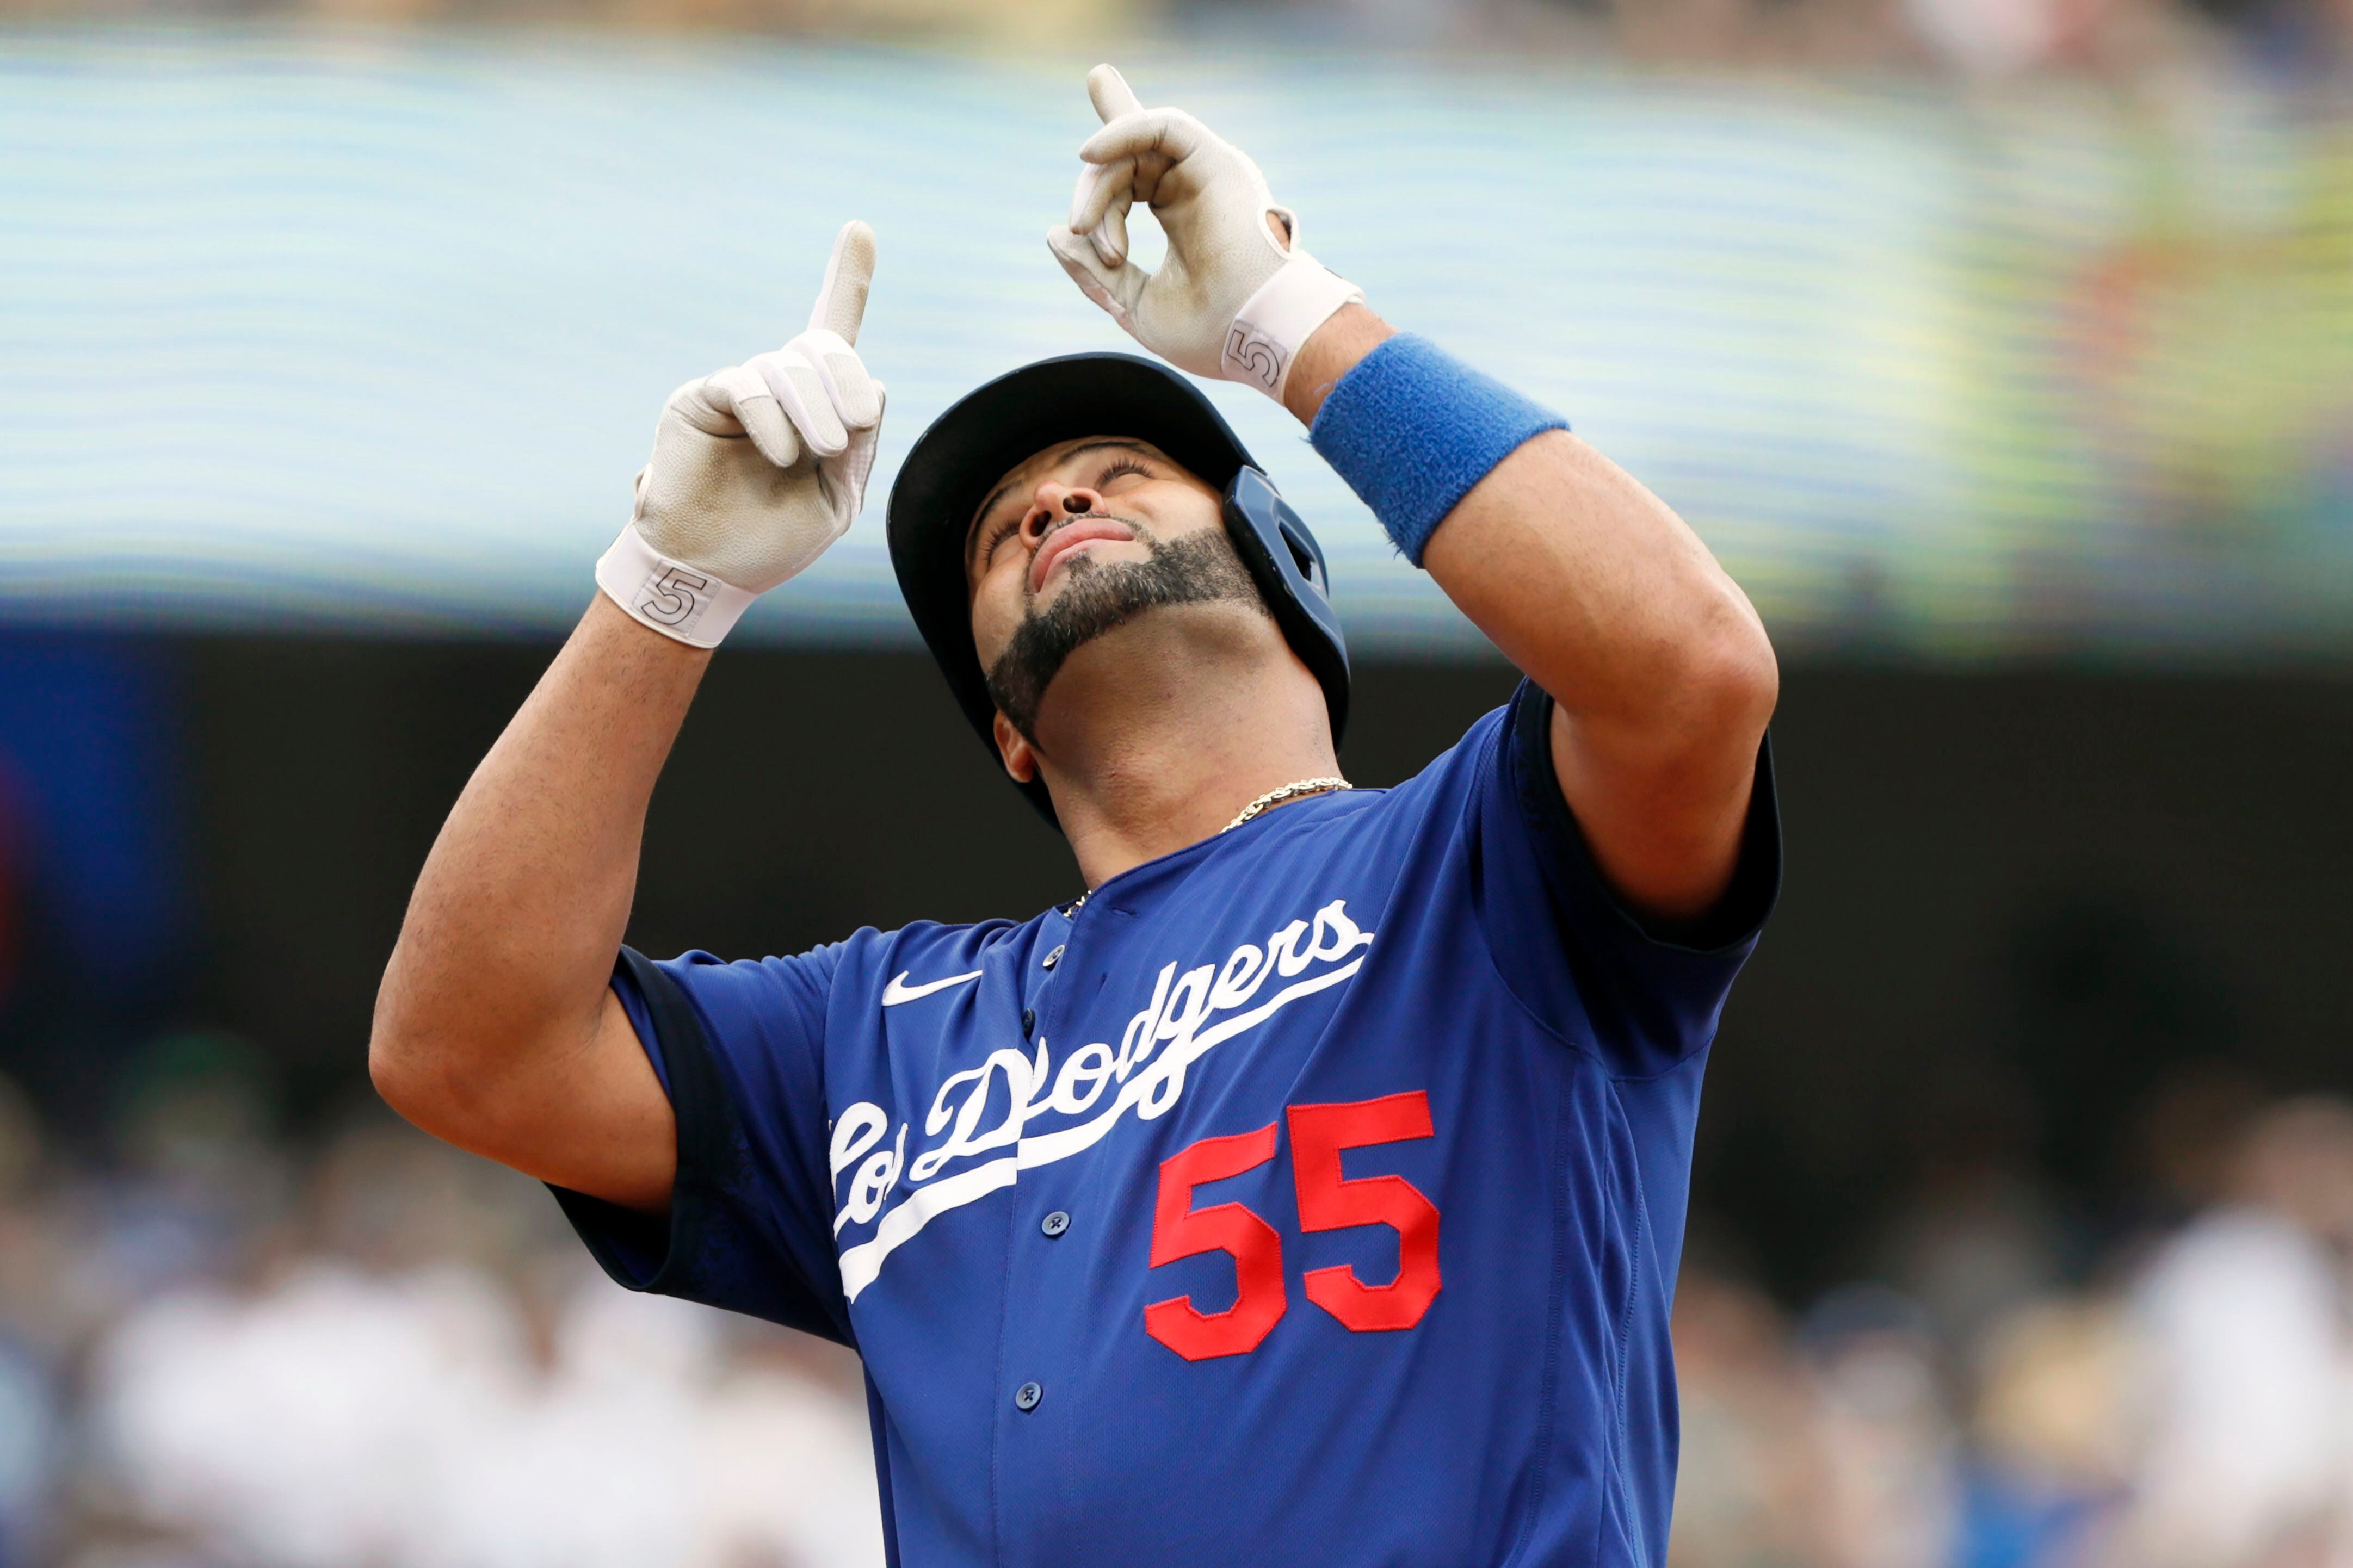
(755, 469)
(1229, 301)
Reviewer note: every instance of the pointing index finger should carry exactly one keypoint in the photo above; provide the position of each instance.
(841, 299)
(1110, 94)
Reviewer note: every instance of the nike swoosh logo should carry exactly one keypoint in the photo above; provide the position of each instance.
(899, 991)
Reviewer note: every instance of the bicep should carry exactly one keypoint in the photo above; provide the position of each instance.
(593, 1119)
(1660, 670)
(1664, 823)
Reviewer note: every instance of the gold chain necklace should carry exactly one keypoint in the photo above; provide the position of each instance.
(1288, 792)
(1297, 790)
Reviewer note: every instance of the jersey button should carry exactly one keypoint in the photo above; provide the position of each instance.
(1028, 1021)
(1027, 1396)
(1053, 958)
(1055, 1224)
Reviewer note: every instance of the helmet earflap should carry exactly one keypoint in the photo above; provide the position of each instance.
(1283, 559)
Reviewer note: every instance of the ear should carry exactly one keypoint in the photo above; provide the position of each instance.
(1020, 757)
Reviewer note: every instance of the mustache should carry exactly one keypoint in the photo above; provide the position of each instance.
(1144, 536)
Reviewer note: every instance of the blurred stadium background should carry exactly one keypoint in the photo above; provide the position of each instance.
(2002, 348)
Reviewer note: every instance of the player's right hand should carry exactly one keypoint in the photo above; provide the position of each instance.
(755, 470)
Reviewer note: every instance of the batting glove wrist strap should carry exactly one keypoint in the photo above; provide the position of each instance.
(756, 470)
(670, 596)
(1412, 428)
(1275, 323)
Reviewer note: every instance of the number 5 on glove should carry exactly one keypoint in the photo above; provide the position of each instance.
(755, 469)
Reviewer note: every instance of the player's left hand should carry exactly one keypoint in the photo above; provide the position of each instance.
(1236, 296)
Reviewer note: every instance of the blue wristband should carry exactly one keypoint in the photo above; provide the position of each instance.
(1412, 428)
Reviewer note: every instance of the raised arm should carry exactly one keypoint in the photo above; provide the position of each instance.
(1659, 668)
(1660, 671)
(496, 1026)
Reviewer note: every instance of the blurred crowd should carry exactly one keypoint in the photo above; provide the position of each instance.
(225, 1347)
(2181, 1398)
(221, 1349)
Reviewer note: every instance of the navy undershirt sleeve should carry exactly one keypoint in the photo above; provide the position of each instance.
(632, 998)
(739, 1050)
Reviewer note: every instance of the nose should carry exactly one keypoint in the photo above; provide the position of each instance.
(1054, 500)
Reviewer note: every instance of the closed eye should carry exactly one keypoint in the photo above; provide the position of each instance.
(1118, 468)
(997, 537)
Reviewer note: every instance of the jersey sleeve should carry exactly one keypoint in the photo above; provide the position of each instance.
(1646, 995)
(740, 1048)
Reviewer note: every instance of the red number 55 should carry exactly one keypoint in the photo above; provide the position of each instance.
(1327, 1201)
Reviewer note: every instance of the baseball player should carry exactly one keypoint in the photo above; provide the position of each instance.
(1309, 1188)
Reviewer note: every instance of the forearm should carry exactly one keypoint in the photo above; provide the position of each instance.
(1605, 597)
(1661, 672)
(502, 971)
(1580, 576)
(1332, 353)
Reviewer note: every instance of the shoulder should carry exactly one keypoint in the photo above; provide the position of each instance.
(872, 970)
(811, 982)
(868, 947)
(930, 943)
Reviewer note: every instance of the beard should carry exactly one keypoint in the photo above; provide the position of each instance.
(1199, 569)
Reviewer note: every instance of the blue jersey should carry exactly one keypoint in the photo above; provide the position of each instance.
(1312, 1194)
